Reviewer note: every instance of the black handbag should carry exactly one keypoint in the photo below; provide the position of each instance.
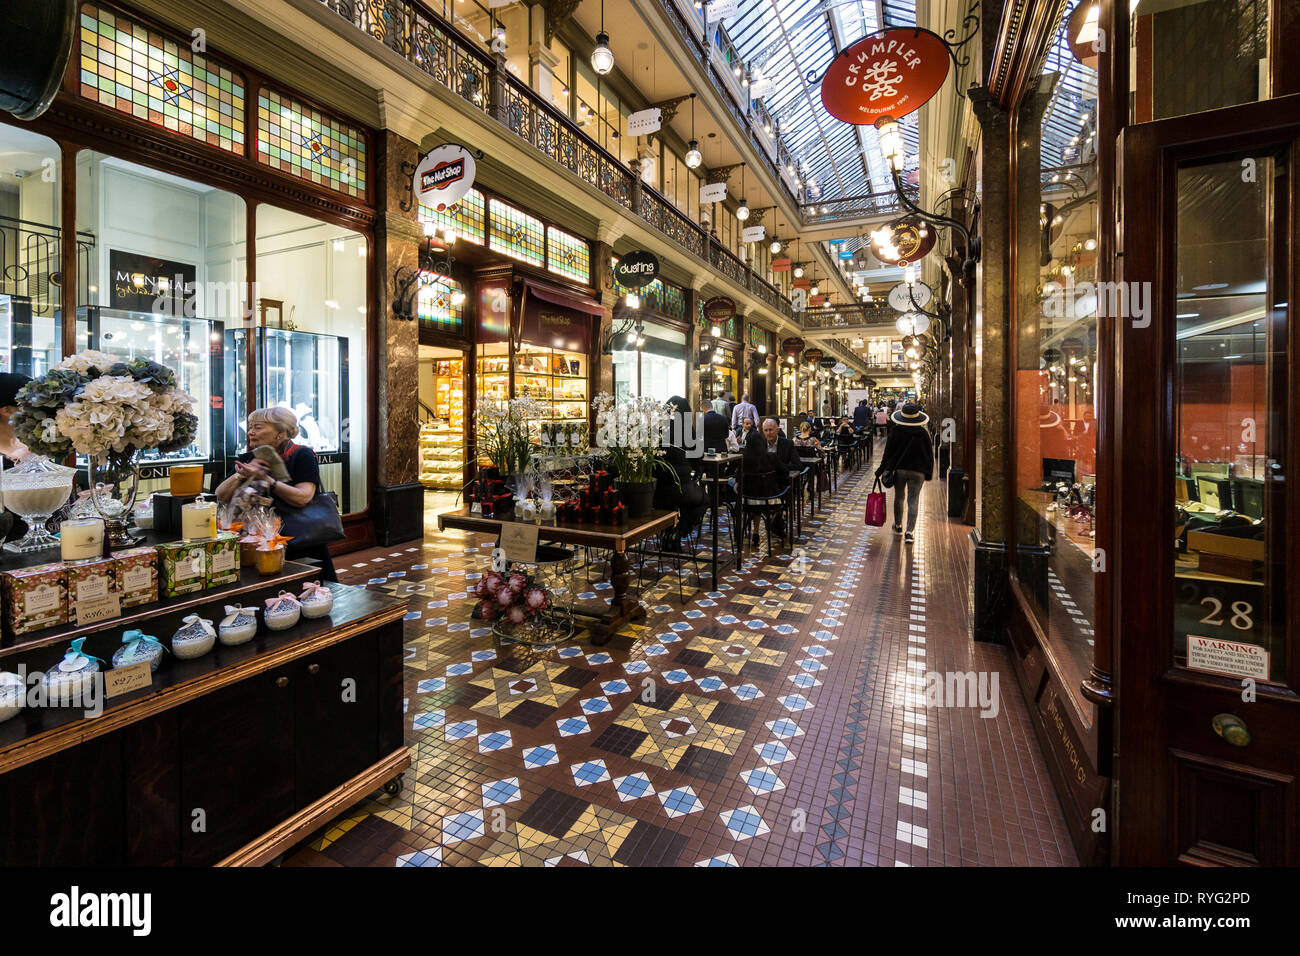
(314, 524)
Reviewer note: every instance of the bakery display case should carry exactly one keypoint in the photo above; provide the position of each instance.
(442, 435)
(556, 378)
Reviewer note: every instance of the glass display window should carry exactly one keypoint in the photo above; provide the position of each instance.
(442, 418)
(1230, 434)
(312, 297)
(31, 251)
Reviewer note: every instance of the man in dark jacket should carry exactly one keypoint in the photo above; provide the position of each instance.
(785, 459)
(862, 415)
(910, 455)
(716, 427)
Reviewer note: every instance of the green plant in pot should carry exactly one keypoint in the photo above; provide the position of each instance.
(504, 433)
(629, 432)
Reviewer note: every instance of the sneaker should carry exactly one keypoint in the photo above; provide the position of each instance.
(898, 529)
(908, 537)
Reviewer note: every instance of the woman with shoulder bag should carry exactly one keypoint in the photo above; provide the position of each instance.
(310, 516)
(907, 463)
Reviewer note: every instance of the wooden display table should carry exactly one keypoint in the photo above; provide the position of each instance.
(614, 538)
(228, 758)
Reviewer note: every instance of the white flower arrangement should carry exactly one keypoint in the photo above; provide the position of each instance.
(630, 432)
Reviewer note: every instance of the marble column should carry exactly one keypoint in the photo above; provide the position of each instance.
(398, 499)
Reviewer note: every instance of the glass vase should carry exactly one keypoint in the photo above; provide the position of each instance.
(113, 486)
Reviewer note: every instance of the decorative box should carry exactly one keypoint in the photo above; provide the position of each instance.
(223, 559)
(34, 598)
(137, 576)
(182, 567)
(93, 579)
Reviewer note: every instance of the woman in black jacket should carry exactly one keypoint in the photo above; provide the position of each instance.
(684, 493)
(909, 454)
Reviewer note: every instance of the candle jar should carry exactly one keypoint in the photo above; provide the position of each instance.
(528, 512)
(195, 638)
(270, 560)
(186, 480)
(138, 647)
(317, 600)
(81, 539)
(199, 520)
(13, 695)
(548, 511)
(239, 626)
(282, 612)
(71, 681)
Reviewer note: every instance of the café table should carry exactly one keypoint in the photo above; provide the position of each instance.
(715, 468)
(624, 606)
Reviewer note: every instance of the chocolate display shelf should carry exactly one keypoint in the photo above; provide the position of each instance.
(250, 581)
(270, 738)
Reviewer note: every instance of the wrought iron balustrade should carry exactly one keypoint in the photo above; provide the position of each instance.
(31, 263)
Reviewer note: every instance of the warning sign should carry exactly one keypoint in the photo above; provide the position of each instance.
(1233, 658)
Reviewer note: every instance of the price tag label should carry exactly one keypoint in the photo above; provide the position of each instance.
(223, 560)
(137, 579)
(124, 680)
(105, 607)
(519, 541)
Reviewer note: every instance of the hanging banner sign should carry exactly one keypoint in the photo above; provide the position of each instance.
(719, 309)
(906, 244)
(444, 176)
(781, 265)
(720, 10)
(791, 346)
(644, 122)
(900, 300)
(827, 362)
(753, 234)
(801, 284)
(813, 355)
(817, 300)
(891, 73)
(760, 88)
(636, 269)
(713, 192)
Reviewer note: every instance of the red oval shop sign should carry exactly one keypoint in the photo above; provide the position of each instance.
(886, 74)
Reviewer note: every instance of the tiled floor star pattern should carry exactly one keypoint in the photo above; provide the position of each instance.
(778, 718)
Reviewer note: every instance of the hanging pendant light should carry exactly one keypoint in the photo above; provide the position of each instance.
(602, 58)
(693, 157)
(798, 272)
(742, 211)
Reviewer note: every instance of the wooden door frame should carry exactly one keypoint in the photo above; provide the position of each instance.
(1143, 829)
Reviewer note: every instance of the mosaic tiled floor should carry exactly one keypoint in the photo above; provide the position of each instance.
(781, 717)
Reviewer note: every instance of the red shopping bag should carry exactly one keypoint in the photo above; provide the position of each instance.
(876, 506)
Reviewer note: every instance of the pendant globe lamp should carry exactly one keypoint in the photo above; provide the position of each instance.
(602, 57)
(693, 157)
(742, 211)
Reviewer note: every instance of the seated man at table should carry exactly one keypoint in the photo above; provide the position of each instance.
(785, 461)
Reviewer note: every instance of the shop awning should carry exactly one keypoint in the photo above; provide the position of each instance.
(563, 297)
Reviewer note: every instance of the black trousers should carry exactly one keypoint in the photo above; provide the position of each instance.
(320, 552)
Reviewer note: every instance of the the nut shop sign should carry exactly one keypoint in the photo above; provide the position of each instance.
(886, 74)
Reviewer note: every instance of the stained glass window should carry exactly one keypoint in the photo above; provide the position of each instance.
(440, 302)
(465, 217)
(137, 71)
(298, 140)
(674, 301)
(658, 296)
(567, 255)
(516, 233)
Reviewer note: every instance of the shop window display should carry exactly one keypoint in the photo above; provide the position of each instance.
(130, 68)
(313, 363)
(30, 252)
(1231, 423)
(442, 425)
(164, 282)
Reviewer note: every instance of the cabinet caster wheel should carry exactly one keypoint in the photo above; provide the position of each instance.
(394, 786)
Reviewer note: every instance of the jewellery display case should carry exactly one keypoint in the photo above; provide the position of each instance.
(306, 373)
(29, 342)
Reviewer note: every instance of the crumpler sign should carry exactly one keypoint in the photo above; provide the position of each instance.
(719, 309)
(886, 74)
(444, 176)
(636, 269)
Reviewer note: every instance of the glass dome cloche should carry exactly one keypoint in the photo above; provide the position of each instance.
(35, 489)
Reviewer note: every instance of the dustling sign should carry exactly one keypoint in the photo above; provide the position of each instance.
(444, 176)
(886, 74)
(636, 269)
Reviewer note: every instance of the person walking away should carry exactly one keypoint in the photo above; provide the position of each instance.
(743, 410)
(909, 454)
(861, 415)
